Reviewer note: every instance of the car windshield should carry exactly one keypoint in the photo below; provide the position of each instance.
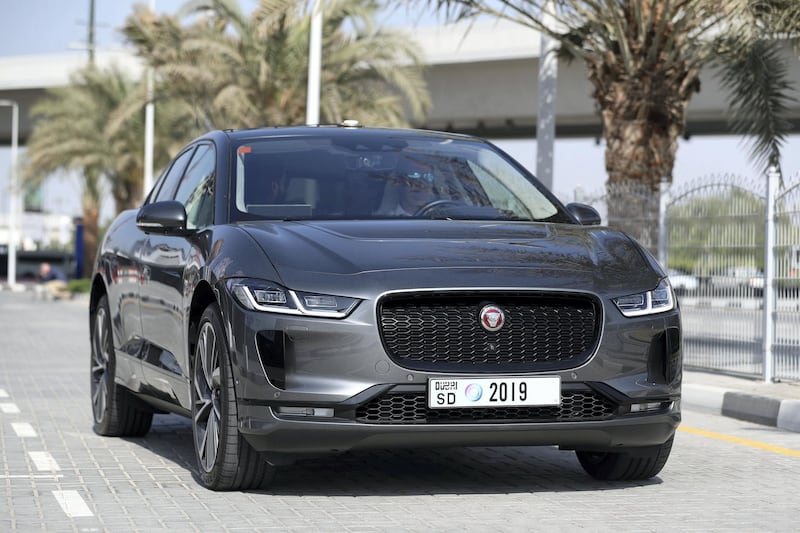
(374, 176)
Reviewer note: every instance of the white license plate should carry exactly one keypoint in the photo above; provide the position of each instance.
(494, 392)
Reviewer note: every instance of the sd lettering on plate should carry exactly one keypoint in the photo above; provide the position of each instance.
(445, 393)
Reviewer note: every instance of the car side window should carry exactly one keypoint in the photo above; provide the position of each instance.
(196, 188)
(174, 175)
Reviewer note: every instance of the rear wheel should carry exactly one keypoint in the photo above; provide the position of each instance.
(225, 460)
(117, 413)
(626, 466)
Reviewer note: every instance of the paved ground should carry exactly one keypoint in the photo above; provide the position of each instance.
(57, 475)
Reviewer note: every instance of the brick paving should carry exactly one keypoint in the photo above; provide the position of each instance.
(147, 484)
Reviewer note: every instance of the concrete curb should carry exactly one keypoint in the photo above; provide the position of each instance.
(765, 410)
(789, 415)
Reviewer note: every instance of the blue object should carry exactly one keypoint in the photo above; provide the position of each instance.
(78, 249)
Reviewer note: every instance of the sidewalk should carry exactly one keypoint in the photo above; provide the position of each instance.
(771, 404)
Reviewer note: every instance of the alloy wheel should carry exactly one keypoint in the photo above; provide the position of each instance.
(207, 407)
(101, 365)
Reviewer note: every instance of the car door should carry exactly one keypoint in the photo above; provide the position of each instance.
(172, 265)
(118, 261)
(165, 190)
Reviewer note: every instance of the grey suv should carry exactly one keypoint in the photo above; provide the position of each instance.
(313, 290)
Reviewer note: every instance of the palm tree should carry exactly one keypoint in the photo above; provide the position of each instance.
(66, 137)
(93, 126)
(124, 134)
(239, 70)
(644, 57)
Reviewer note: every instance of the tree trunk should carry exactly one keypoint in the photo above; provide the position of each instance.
(127, 189)
(642, 90)
(639, 150)
(642, 120)
(90, 237)
(90, 201)
(640, 153)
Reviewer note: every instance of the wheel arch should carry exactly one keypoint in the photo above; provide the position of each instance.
(98, 290)
(202, 297)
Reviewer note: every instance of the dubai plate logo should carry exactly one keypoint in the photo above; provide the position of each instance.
(473, 392)
(492, 317)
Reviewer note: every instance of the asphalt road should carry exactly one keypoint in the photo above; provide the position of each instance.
(57, 475)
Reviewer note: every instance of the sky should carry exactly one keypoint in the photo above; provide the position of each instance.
(49, 26)
(52, 26)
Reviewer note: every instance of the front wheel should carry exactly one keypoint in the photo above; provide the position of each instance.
(632, 465)
(225, 460)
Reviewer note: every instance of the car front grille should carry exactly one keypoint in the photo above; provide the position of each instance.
(411, 408)
(443, 332)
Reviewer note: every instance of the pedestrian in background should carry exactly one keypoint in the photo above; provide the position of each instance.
(53, 283)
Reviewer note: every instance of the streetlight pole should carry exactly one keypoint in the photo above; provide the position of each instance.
(90, 39)
(546, 105)
(149, 125)
(13, 194)
(314, 64)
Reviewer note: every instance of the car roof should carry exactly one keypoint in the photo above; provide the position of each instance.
(335, 130)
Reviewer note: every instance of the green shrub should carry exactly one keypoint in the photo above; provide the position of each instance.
(81, 286)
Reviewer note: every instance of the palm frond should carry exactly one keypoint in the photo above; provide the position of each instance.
(241, 70)
(758, 82)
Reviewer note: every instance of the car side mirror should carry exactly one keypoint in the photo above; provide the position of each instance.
(167, 218)
(586, 215)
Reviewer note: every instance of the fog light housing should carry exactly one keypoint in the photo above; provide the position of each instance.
(649, 406)
(324, 412)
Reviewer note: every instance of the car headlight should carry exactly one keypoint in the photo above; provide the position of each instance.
(658, 300)
(260, 295)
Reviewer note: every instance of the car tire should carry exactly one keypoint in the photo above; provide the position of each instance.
(625, 466)
(116, 412)
(225, 460)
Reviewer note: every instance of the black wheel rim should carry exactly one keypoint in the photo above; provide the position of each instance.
(206, 418)
(101, 365)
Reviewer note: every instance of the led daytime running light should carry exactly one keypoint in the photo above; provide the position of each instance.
(263, 296)
(658, 300)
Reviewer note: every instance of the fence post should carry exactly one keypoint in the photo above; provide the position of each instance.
(663, 203)
(773, 177)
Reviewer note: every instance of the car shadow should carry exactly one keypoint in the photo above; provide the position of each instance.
(478, 470)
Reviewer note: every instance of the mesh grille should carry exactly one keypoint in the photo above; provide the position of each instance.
(411, 408)
(443, 332)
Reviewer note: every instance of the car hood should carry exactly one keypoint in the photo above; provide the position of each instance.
(361, 257)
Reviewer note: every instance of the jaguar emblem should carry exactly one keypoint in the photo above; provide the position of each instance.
(492, 317)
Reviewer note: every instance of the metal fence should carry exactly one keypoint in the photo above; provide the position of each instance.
(732, 248)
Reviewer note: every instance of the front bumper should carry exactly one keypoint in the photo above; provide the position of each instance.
(291, 438)
(340, 366)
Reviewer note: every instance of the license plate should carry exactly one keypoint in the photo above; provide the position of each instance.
(494, 392)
